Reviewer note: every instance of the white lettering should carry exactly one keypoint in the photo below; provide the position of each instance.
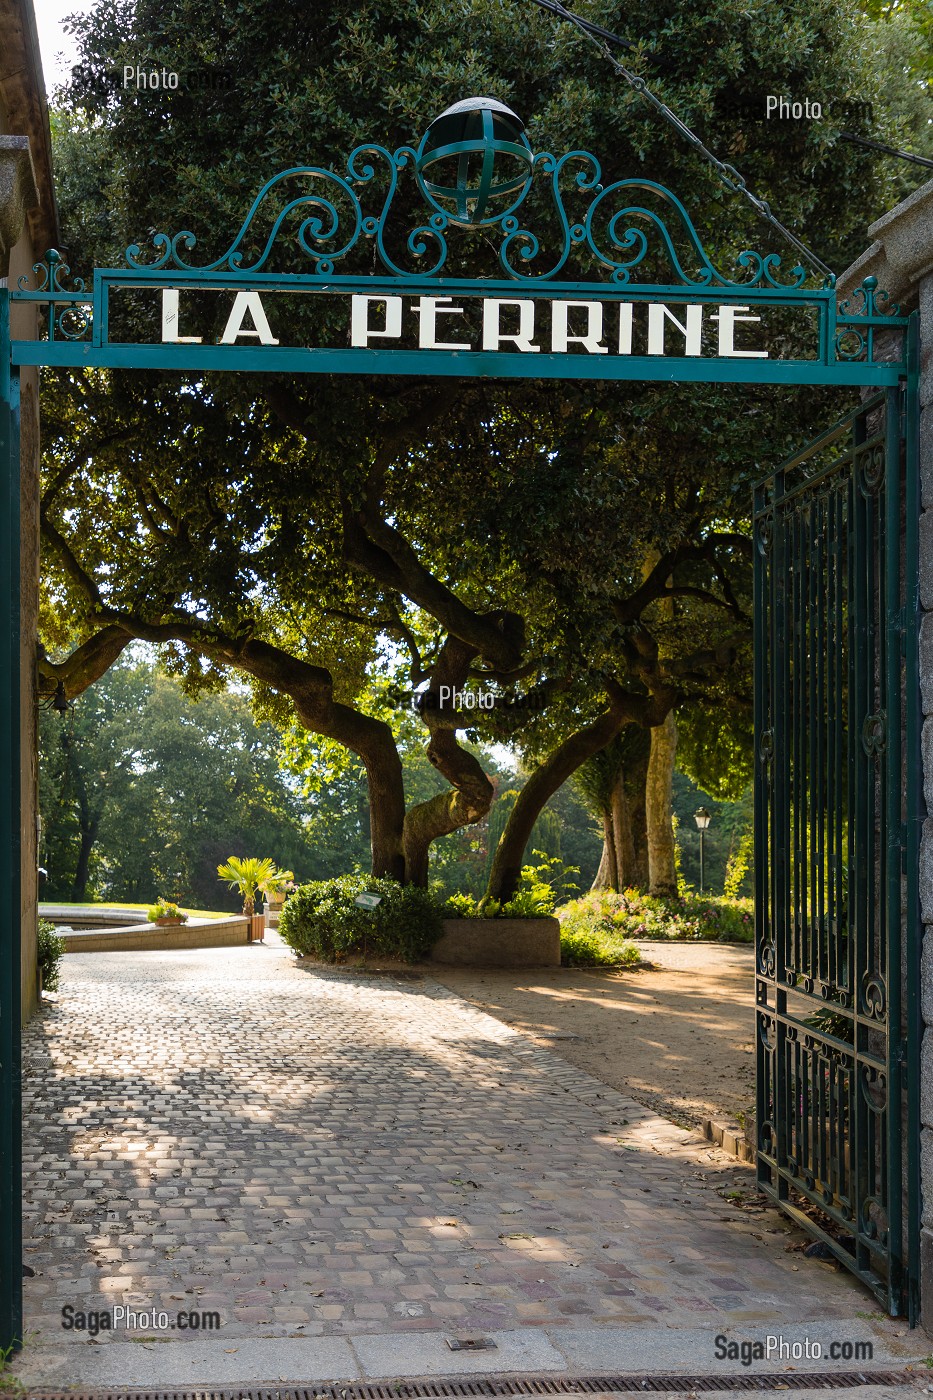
(243, 303)
(492, 334)
(626, 310)
(170, 321)
(361, 332)
(692, 331)
(560, 315)
(727, 317)
(429, 308)
(128, 71)
(770, 105)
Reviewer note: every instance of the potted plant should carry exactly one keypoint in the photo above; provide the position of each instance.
(278, 887)
(248, 875)
(165, 914)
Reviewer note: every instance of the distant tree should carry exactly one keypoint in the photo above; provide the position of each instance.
(144, 791)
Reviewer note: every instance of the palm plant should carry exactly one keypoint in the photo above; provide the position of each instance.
(247, 876)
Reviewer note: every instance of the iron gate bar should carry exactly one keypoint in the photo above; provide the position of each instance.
(837, 817)
(913, 816)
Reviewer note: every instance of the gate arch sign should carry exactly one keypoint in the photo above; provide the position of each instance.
(585, 280)
(550, 216)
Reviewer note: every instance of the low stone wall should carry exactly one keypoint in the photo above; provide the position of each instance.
(140, 938)
(499, 943)
(77, 916)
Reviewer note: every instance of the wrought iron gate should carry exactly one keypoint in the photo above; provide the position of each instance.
(837, 772)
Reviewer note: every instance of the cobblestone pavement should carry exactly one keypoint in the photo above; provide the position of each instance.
(314, 1152)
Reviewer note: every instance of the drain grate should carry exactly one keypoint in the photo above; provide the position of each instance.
(492, 1386)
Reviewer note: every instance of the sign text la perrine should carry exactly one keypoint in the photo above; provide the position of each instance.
(520, 324)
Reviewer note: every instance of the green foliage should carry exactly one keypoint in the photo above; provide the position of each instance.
(636, 915)
(737, 866)
(248, 875)
(142, 790)
(592, 945)
(165, 909)
(730, 821)
(715, 748)
(321, 920)
(536, 897)
(49, 953)
(277, 885)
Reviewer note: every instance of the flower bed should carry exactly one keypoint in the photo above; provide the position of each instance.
(605, 919)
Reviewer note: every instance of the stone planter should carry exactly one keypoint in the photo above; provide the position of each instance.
(499, 943)
(168, 923)
(257, 928)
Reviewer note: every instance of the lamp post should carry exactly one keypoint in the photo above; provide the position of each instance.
(702, 818)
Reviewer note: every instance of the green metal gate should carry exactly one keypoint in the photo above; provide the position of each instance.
(837, 774)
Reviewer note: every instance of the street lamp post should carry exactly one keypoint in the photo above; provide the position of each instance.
(702, 818)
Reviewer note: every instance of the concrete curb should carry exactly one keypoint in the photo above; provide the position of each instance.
(406, 1355)
(729, 1137)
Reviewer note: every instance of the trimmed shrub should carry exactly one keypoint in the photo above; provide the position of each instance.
(50, 950)
(321, 920)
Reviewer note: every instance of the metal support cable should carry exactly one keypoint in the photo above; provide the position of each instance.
(885, 150)
(730, 177)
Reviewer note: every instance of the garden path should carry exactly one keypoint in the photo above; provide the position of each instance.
(352, 1169)
(678, 1033)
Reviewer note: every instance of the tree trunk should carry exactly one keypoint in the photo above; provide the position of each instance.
(446, 811)
(472, 791)
(386, 789)
(88, 827)
(607, 876)
(662, 872)
(566, 759)
(623, 834)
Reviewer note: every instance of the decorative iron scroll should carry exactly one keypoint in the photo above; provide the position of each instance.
(615, 228)
(396, 223)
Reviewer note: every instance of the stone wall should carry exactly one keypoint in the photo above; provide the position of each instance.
(28, 227)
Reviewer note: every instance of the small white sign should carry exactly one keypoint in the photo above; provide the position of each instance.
(368, 901)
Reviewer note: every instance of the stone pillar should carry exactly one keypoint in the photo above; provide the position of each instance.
(18, 196)
(901, 258)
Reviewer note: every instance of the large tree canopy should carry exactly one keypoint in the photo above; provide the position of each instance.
(580, 548)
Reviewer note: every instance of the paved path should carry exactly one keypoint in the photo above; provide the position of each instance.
(322, 1154)
(678, 1034)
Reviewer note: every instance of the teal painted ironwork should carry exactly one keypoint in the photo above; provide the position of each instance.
(475, 136)
(836, 812)
(310, 229)
(11, 1253)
